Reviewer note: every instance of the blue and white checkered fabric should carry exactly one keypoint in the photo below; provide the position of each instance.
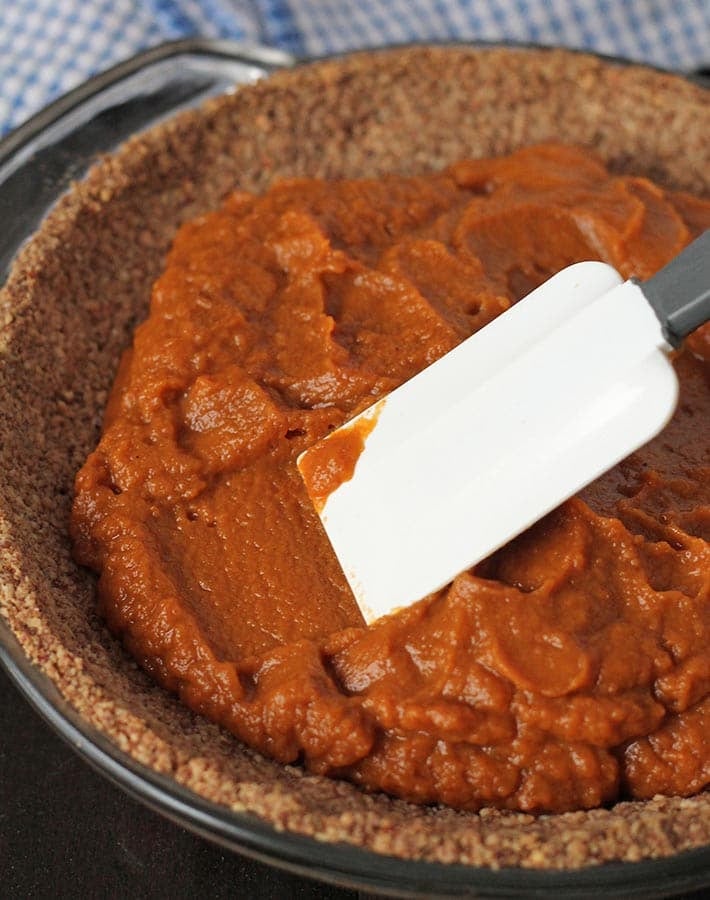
(49, 46)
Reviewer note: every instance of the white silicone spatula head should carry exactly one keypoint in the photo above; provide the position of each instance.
(484, 442)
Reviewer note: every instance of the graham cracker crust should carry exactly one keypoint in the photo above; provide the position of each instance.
(80, 285)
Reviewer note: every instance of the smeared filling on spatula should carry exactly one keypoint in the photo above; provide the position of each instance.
(570, 669)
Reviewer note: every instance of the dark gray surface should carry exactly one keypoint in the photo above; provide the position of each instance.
(65, 831)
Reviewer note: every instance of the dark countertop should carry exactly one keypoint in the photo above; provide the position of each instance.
(67, 832)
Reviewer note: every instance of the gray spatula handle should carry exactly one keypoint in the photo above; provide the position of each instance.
(680, 292)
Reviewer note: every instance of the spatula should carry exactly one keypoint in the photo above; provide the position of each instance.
(473, 450)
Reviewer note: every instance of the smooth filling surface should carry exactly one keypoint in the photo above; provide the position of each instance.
(572, 667)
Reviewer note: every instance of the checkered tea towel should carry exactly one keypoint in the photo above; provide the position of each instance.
(50, 46)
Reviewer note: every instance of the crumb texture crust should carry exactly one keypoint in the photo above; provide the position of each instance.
(80, 286)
